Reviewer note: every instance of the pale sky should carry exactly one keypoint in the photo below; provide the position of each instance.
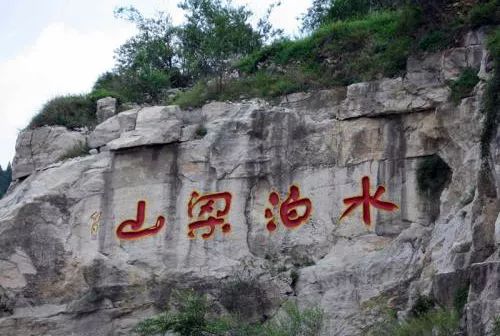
(56, 47)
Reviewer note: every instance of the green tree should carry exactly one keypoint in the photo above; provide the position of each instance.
(215, 33)
(5, 179)
(146, 64)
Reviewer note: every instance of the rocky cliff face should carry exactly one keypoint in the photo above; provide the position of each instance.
(243, 201)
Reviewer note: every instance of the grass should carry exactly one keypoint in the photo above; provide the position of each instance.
(75, 151)
(344, 47)
(191, 317)
(339, 53)
(463, 86)
(437, 322)
(72, 111)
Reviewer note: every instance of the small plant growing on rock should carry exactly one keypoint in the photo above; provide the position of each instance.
(432, 175)
(201, 131)
(463, 86)
(75, 151)
(191, 317)
(422, 305)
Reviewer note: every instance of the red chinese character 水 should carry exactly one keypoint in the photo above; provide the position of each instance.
(132, 228)
(205, 213)
(288, 210)
(366, 200)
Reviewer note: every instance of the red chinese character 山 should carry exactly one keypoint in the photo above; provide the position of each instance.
(133, 228)
(204, 213)
(288, 210)
(366, 200)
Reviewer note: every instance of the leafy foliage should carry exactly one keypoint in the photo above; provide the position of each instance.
(72, 111)
(462, 87)
(146, 63)
(422, 306)
(214, 34)
(485, 13)
(5, 179)
(460, 298)
(191, 318)
(436, 322)
(495, 331)
(491, 101)
(432, 174)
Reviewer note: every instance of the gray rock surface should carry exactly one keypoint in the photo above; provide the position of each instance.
(38, 148)
(106, 108)
(64, 271)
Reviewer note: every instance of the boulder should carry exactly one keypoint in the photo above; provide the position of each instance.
(40, 147)
(106, 108)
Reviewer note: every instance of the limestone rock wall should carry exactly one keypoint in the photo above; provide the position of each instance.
(65, 270)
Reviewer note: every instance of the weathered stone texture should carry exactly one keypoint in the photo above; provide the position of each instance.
(57, 279)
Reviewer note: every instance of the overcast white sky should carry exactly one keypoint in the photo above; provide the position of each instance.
(55, 47)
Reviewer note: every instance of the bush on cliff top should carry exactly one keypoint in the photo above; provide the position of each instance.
(72, 111)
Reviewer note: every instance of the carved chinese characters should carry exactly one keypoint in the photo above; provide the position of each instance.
(134, 228)
(207, 212)
(365, 200)
(294, 211)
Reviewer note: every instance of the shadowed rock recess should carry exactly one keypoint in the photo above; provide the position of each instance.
(64, 271)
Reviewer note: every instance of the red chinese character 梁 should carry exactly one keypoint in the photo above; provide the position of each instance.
(288, 210)
(207, 212)
(133, 228)
(366, 200)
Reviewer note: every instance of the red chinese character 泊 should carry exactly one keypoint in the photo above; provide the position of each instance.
(288, 210)
(134, 226)
(366, 200)
(207, 214)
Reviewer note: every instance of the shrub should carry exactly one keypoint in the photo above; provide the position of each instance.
(193, 97)
(191, 319)
(463, 86)
(491, 101)
(485, 14)
(432, 174)
(437, 322)
(495, 331)
(422, 306)
(201, 131)
(72, 111)
(460, 299)
(435, 40)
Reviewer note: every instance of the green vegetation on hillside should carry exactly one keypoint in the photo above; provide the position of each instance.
(425, 318)
(491, 100)
(5, 179)
(462, 87)
(72, 111)
(192, 317)
(218, 55)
